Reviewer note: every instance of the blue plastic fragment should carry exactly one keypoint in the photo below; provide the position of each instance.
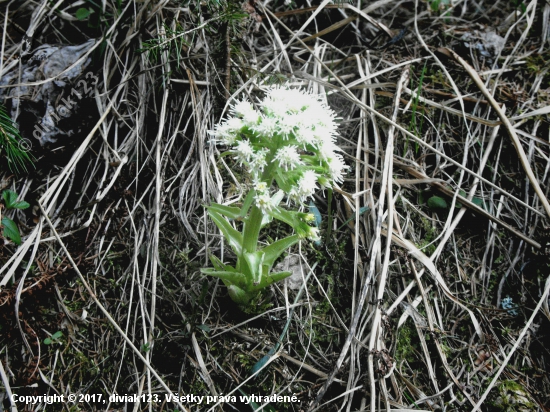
(508, 304)
(315, 212)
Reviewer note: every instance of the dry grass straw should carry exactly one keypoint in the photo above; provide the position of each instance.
(148, 167)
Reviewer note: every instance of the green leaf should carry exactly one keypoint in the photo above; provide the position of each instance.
(458, 205)
(436, 202)
(285, 180)
(273, 251)
(234, 278)
(290, 218)
(255, 262)
(205, 328)
(11, 231)
(478, 202)
(83, 13)
(227, 211)
(53, 338)
(259, 365)
(218, 264)
(20, 205)
(233, 237)
(241, 296)
(248, 201)
(270, 279)
(10, 197)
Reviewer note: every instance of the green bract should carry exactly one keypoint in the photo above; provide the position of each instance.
(289, 149)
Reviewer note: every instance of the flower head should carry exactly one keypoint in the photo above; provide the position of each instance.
(246, 112)
(223, 134)
(288, 157)
(294, 132)
(266, 127)
(305, 187)
(260, 187)
(313, 234)
(274, 106)
(305, 137)
(235, 124)
(257, 162)
(309, 217)
(263, 201)
(241, 108)
(243, 151)
(337, 168)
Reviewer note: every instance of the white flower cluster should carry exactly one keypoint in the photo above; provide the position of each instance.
(291, 140)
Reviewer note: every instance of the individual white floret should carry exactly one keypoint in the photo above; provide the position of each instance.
(242, 107)
(322, 136)
(316, 110)
(244, 151)
(313, 234)
(305, 137)
(258, 162)
(263, 201)
(294, 120)
(235, 124)
(251, 118)
(275, 108)
(298, 101)
(246, 112)
(223, 134)
(283, 94)
(288, 157)
(260, 187)
(281, 101)
(337, 168)
(327, 150)
(305, 187)
(284, 128)
(267, 126)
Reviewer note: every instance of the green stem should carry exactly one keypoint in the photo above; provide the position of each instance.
(329, 226)
(251, 230)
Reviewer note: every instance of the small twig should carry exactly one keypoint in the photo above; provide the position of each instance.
(228, 61)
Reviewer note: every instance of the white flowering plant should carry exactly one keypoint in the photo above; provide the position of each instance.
(289, 149)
